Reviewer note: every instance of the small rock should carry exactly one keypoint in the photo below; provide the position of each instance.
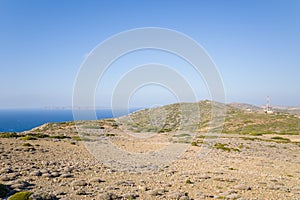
(80, 192)
(68, 169)
(36, 173)
(55, 174)
(6, 170)
(205, 177)
(96, 180)
(6, 178)
(107, 196)
(125, 183)
(68, 175)
(297, 188)
(175, 195)
(37, 196)
(59, 192)
(233, 196)
(157, 192)
(79, 183)
(184, 198)
(46, 175)
(143, 188)
(44, 171)
(242, 187)
(130, 196)
(19, 185)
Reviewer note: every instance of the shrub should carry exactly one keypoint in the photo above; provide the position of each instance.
(9, 135)
(165, 130)
(281, 138)
(224, 147)
(115, 126)
(59, 136)
(76, 138)
(27, 145)
(188, 181)
(21, 196)
(256, 134)
(194, 144)
(182, 135)
(38, 135)
(28, 137)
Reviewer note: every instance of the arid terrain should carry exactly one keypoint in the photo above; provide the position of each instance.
(255, 157)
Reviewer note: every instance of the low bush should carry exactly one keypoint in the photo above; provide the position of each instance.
(280, 138)
(59, 136)
(9, 135)
(188, 181)
(28, 137)
(194, 144)
(224, 147)
(25, 195)
(27, 145)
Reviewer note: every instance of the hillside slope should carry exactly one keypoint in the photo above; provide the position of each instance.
(237, 121)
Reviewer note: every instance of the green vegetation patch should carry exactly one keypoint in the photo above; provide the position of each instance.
(93, 127)
(28, 137)
(25, 195)
(225, 148)
(9, 135)
(38, 135)
(194, 144)
(188, 181)
(59, 137)
(281, 138)
(182, 135)
(27, 145)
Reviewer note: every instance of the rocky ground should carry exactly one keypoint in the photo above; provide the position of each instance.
(236, 167)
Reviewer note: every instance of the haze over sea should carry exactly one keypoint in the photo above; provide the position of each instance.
(18, 120)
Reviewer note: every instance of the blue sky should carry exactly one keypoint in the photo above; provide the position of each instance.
(254, 44)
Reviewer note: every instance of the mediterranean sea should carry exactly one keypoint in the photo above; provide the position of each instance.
(13, 120)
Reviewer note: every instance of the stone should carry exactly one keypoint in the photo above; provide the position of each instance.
(44, 171)
(96, 180)
(47, 175)
(80, 192)
(55, 174)
(242, 187)
(79, 183)
(6, 178)
(157, 192)
(67, 175)
(233, 196)
(130, 196)
(36, 173)
(175, 195)
(143, 188)
(107, 196)
(184, 198)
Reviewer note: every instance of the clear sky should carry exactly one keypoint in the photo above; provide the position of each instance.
(254, 44)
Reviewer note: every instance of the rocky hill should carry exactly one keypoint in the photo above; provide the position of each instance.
(132, 157)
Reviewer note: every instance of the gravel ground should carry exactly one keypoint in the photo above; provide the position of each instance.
(64, 169)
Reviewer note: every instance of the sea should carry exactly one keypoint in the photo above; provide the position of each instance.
(18, 120)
